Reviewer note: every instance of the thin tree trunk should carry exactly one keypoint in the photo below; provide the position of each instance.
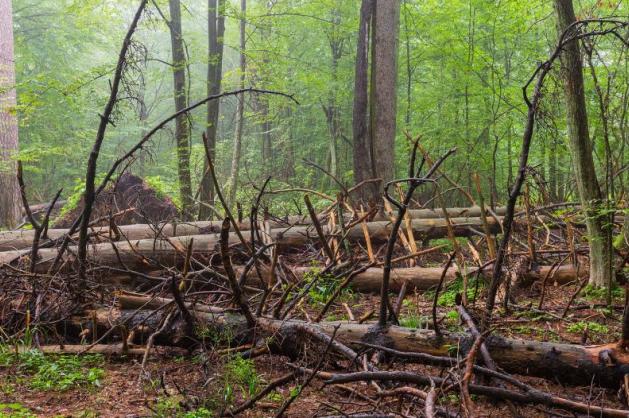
(216, 31)
(182, 131)
(409, 69)
(10, 208)
(552, 170)
(240, 109)
(332, 110)
(581, 150)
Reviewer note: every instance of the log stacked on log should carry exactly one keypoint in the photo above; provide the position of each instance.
(425, 227)
(141, 254)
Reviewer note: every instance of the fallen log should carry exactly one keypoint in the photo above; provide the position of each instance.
(106, 349)
(470, 212)
(166, 251)
(425, 278)
(369, 281)
(560, 275)
(603, 365)
(424, 229)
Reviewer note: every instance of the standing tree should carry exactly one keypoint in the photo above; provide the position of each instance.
(240, 108)
(9, 189)
(216, 31)
(182, 129)
(374, 118)
(581, 149)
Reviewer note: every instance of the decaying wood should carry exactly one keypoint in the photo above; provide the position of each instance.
(138, 254)
(603, 365)
(425, 278)
(283, 233)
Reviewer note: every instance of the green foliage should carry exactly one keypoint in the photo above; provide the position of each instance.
(74, 198)
(241, 372)
(597, 293)
(167, 408)
(164, 189)
(55, 372)
(452, 315)
(448, 296)
(465, 85)
(592, 327)
(324, 287)
(447, 243)
(15, 410)
(170, 407)
(412, 321)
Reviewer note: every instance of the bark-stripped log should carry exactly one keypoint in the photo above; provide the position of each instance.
(425, 278)
(603, 365)
(21, 239)
(145, 254)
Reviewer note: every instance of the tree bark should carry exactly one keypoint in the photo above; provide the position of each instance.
(375, 111)
(216, 32)
(16, 240)
(360, 121)
(169, 247)
(581, 149)
(182, 129)
(10, 208)
(383, 89)
(603, 365)
(240, 109)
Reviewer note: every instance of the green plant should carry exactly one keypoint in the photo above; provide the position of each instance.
(167, 408)
(73, 200)
(198, 413)
(164, 189)
(241, 372)
(55, 372)
(324, 287)
(592, 327)
(452, 315)
(412, 321)
(447, 243)
(15, 410)
(448, 296)
(597, 293)
(275, 397)
(171, 407)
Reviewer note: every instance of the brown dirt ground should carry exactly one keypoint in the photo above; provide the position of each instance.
(120, 394)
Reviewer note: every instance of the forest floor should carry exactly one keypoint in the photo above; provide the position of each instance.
(193, 384)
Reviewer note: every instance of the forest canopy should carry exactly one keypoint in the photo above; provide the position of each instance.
(461, 67)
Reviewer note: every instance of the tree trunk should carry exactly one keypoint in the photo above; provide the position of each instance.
(10, 207)
(383, 89)
(240, 109)
(182, 130)
(581, 150)
(216, 31)
(135, 251)
(375, 100)
(426, 278)
(360, 121)
(603, 365)
(17, 240)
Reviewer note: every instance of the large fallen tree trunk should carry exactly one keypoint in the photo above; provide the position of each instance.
(604, 365)
(426, 228)
(425, 278)
(154, 253)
